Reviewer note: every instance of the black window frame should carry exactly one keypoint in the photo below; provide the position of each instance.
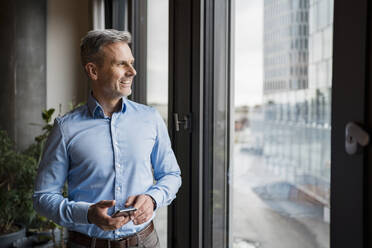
(349, 183)
(199, 30)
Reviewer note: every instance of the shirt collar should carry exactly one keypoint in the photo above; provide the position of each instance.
(96, 109)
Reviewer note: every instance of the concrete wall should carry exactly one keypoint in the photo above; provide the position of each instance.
(40, 63)
(22, 68)
(67, 22)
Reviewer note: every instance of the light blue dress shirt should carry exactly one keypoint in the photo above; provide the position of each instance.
(105, 159)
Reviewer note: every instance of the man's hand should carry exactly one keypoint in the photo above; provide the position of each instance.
(145, 208)
(97, 214)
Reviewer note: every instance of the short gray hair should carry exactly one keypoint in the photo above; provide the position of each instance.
(95, 39)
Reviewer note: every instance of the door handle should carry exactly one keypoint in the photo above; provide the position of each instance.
(186, 122)
(355, 136)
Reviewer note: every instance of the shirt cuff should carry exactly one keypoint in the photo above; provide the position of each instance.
(80, 212)
(155, 195)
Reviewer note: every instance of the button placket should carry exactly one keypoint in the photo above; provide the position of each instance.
(118, 189)
(113, 137)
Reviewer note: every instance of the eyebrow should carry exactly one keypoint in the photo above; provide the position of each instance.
(127, 62)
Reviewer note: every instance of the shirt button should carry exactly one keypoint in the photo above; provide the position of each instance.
(118, 165)
(118, 188)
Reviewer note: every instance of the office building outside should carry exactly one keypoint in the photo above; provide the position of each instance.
(291, 129)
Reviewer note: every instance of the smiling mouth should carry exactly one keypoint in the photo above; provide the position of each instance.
(126, 83)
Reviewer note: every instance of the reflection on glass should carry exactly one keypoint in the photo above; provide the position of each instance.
(157, 80)
(281, 172)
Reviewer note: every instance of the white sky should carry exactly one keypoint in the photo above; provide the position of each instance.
(248, 52)
(157, 51)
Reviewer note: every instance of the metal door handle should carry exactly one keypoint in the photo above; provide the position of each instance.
(185, 122)
(355, 136)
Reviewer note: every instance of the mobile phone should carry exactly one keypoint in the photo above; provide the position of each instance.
(124, 212)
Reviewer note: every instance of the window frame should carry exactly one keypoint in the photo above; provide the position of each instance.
(348, 183)
(185, 98)
(195, 65)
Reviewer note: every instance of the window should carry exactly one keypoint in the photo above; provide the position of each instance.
(157, 80)
(281, 165)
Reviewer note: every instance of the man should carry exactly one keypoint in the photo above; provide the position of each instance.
(109, 151)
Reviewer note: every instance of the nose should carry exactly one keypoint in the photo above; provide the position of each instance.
(131, 71)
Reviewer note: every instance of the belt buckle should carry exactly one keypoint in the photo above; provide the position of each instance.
(124, 241)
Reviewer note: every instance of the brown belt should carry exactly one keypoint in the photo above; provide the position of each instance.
(82, 239)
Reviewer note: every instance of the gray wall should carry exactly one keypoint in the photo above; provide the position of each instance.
(40, 63)
(22, 68)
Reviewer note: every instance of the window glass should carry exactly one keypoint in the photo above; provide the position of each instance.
(157, 80)
(280, 180)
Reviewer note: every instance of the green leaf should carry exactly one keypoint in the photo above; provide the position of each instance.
(51, 111)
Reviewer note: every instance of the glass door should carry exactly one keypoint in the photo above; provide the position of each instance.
(282, 122)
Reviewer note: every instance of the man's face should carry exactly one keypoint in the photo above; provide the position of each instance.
(115, 74)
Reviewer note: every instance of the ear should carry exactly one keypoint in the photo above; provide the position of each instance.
(91, 70)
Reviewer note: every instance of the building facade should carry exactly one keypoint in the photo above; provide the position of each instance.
(291, 130)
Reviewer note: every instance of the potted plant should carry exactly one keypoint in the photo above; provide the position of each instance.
(17, 175)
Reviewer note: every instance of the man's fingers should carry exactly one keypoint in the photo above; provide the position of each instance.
(143, 210)
(144, 214)
(106, 203)
(141, 215)
(142, 218)
(104, 220)
(130, 201)
(98, 211)
(113, 223)
(124, 221)
(97, 214)
(144, 205)
(139, 201)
